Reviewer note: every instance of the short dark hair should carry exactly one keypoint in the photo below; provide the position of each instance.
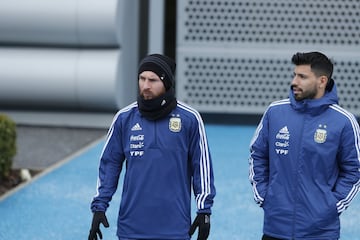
(319, 63)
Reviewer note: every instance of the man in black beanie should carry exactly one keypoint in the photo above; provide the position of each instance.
(164, 146)
(156, 106)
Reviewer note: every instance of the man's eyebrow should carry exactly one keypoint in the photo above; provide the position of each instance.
(300, 74)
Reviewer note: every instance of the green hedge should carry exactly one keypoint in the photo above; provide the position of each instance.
(7, 144)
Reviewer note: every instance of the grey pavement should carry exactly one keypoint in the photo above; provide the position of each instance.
(39, 147)
(46, 137)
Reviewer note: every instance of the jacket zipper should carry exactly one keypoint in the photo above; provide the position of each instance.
(297, 174)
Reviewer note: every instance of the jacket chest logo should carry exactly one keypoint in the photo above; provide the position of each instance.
(320, 134)
(175, 124)
(282, 141)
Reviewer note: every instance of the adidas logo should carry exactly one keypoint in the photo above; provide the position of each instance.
(283, 134)
(284, 130)
(136, 127)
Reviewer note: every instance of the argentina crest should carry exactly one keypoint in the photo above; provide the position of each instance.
(320, 135)
(175, 124)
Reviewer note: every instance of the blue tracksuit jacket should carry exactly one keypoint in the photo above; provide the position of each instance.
(304, 167)
(163, 160)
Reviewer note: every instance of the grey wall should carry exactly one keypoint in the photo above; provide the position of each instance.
(234, 56)
(70, 54)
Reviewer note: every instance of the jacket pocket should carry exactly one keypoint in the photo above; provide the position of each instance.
(328, 217)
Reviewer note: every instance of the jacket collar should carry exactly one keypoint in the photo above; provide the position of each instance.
(314, 106)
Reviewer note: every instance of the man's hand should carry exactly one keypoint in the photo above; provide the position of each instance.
(202, 221)
(99, 217)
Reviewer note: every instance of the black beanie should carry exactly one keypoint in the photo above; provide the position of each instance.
(162, 65)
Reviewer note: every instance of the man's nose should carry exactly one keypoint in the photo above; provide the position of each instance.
(146, 84)
(294, 80)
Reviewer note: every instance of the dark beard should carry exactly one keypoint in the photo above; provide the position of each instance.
(159, 107)
(307, 95)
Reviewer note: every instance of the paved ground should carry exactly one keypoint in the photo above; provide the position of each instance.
(39, 147)
(55, 205)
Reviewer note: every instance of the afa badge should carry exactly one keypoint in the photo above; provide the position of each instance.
(175, 124)
(320, 135)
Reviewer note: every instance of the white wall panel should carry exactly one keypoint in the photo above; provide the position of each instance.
(68, 54)
(74, 79)
(62, 22)
(234, 56)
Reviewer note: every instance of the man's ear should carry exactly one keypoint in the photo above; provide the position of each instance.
(323, 81)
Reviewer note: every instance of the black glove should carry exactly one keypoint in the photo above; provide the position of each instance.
(99, 217)
(202, 221)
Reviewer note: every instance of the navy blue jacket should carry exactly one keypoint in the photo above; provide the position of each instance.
(304, 167)
(164, 160)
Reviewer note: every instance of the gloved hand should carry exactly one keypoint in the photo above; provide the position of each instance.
(98, 217)
(202, 221)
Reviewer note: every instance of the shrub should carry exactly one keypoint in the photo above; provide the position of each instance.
(7, 144)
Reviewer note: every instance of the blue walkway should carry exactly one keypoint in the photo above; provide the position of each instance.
(56, 205)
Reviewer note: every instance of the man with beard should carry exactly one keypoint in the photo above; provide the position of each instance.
(163, 145)
(304, 156)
